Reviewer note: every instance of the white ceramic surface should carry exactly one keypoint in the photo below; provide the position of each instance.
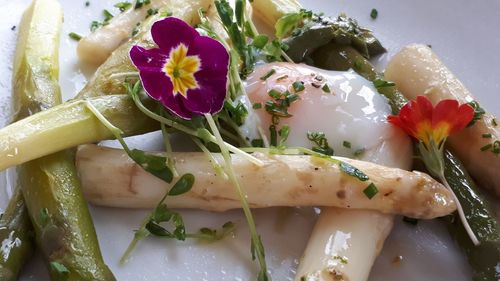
(463, 33)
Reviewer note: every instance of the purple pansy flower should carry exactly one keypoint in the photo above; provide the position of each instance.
(187, 73)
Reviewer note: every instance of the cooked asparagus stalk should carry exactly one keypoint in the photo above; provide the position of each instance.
(96, 47)
(66, 126)
(16, 238)
(418, 71)
(346, 254)
(270, 11)
(482, 258)
(38, 37)
(303, 181)
(61, 221)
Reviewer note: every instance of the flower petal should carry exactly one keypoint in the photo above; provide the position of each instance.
(212, 78)
(170, 32)
(148, 59)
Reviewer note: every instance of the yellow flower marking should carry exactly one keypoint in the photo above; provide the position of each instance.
(181, 68)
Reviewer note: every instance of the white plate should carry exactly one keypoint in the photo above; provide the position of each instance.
(464, 35)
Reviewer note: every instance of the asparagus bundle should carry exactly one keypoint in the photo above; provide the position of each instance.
(61, 221)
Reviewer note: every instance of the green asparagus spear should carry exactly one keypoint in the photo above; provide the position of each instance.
(16, 238)
(485, 258)
(62, 224)
(43, 32)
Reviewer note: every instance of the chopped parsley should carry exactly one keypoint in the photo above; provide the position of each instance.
(75, 36)
(268, 74)
(370, 191)
(374, 14)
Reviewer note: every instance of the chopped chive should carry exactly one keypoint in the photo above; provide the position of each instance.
(486, 147)
(257, 105)
(59, 267)
(282, 77)
(298, 86)
(260, 41)
(326, 88)
(487, 136)
(359, 152)
(273, 135)
(370, 191)
(381, 83)
(496, 147)
(374, 14)
(478, 112)
(275, 94)
(140, 3)
(87, 4)
(346, 144)
(411, 221)
(494, 122)
(268, 74)
(75, 36)
(257, 143)
(95, 25)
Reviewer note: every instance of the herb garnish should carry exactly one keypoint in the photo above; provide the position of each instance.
(123, 6)
(326, 88)
(140, 3)
(298, 86)
(487, 136)
(59, 267)
(268, 74)
(380, 83)
(478, 112)
(107, 16)
(370, 191)
(75, 36)
(346, 144)
(321, 142)
(374, 13)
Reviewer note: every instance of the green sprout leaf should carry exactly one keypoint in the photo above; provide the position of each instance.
(153, 164)
(183, 185)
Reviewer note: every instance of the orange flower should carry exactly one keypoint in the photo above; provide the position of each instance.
(432, 125)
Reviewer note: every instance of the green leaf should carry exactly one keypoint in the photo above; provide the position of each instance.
(240, 12)
(225, 12)
(183, 185)
(353, 171)
(158, 230)
(153, 164)
(287, 23)
(260, 41)
(59, 267)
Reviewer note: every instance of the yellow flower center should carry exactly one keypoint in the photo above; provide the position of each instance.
(181, 68)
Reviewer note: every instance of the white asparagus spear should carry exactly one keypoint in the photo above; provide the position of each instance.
(281, 181)
(418, 71)
(270, 11)
(343, 245)
(346, 122)
(96, 47)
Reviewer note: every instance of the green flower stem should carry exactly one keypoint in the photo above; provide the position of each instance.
(460, 211)
(189, 131)
(259, 250)
(168, 149)
(217, 167)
